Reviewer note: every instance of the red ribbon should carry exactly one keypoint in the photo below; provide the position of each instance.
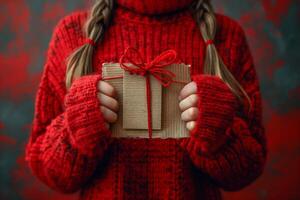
(90, 41)
(153, 68)
(209, 42)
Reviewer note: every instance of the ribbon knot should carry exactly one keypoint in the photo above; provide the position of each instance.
(156, 67)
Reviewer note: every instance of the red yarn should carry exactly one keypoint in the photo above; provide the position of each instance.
(209, 42)
(149, 104)
(70, 148)
(91, 42)
(154, 68)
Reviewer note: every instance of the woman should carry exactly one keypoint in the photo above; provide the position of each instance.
(71, 147)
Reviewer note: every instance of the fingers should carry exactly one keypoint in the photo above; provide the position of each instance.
(188, 105)
(108, 102)
(187, 90)
(188, 102)
(108, 114)
(190, 125)
(106, 89)
(109, 105)
(190, 114)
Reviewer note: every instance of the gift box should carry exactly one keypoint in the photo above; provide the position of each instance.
(133, 115)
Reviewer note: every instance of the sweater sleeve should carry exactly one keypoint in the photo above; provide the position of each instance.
(68, 137)
(222, 119)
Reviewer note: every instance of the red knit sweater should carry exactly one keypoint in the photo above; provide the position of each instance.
(70, 149)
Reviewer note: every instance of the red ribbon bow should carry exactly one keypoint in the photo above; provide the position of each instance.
(154, 68)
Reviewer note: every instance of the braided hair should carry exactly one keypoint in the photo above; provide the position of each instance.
(79, 63)
(213, 65)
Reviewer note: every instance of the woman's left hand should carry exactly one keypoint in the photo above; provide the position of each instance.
(208, 107)
(188, 105)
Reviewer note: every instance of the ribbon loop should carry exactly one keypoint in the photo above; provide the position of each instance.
(154, 68)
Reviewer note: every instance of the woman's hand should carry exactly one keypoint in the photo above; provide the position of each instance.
(208, 107)
(188, 105)
(109, 104)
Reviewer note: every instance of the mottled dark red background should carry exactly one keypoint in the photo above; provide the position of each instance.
(272, 27)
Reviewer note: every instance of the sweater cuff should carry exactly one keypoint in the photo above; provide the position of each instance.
(85, 121)
(217, 106)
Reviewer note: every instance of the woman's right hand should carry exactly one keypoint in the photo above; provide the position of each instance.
(109, 104)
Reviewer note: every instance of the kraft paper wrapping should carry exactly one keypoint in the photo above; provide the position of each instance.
(165, 103)
(135, 104)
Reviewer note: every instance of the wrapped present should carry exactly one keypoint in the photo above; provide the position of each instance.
(148, 95)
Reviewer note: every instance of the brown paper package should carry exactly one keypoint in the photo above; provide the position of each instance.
(132, 115)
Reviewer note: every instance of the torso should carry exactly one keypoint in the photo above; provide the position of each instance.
(153, 168)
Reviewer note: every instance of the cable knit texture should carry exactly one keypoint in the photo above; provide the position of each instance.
(217, 106)
(83, 98)
(70, 149)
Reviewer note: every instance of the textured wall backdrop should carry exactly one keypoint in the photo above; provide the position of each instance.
(272, 27)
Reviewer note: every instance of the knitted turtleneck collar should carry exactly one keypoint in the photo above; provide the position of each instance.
(154, 7)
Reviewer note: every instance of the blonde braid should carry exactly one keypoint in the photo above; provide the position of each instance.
(79, 63)
(214, 65)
